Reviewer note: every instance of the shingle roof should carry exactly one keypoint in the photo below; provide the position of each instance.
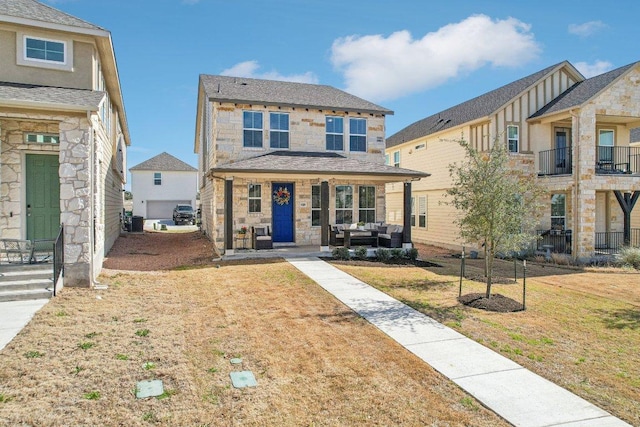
(481, 106)
(31, 9)
(286, 162)
(164, 162)
(272, 92)
(47, 95)
(582, 91)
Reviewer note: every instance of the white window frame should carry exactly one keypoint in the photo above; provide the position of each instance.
(422, 211)
(361, 208)
(341, 134)
(563, 216)
(23, 59)
(157, 178)
(348, 204)
(279, 132)
(606, 154)
(252, 197)
(396, 159)
(260, 129)
(513, 143)
(41, 138)
(353, 135)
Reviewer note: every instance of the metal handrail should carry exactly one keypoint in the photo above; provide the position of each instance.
(58, 258)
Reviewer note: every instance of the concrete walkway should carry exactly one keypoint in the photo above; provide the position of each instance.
(511, 391)
(14, 315)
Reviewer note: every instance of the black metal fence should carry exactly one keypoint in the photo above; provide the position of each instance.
(557, 241)
(58, 258)
(617, 160)
(611, 242)
(555, 162)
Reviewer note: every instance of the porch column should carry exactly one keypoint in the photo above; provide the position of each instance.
(228, 216)
(324, 216)
(76, 207)
(584, 140)
(627, 202)
(406, 224)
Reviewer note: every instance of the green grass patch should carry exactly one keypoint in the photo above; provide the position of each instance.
(142, 332)
(92, 395)
(33, 354)
(86, 345)
(120, 356)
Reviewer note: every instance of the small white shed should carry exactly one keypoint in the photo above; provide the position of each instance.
(160, 183)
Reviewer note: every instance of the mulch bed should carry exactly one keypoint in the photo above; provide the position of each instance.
(497, 302)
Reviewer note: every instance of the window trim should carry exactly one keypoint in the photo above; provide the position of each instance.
(352, 134)
(366, 209)
(564, 211)
(516, 139)
(327, 133)
(422, 214)
(273, 131)
(43, 135)
(261, 129)
(23, 59)
(346, 208)
(157, 178)
(251, 198)
(396, 159)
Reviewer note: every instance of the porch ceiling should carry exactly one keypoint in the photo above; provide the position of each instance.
(310, 165)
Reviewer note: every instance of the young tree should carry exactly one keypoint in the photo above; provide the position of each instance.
(498, 205)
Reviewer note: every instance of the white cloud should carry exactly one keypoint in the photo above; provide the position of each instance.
(250, 69)
(586, 29)
(383, 68)
(590, 70)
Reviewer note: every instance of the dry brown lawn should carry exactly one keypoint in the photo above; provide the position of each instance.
(581, 328)
(316, 363)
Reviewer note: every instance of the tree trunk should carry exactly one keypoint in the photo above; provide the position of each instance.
(488, 262)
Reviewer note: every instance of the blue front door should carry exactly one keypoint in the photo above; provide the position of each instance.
(282, 211)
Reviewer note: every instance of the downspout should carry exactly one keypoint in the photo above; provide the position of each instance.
(577, 223)
(94, 284)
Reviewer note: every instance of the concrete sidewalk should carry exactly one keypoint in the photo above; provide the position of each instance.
(511, 391)
(15, 315)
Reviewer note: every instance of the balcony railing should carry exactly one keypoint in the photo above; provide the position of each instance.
(555, 162)
(611, 242)
(607, 243)
(609, 160)
(617, 160)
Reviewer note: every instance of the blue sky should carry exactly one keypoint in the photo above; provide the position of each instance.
(415, 57)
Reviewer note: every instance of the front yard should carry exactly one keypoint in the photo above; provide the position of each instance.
(316, 363)
(581, 328)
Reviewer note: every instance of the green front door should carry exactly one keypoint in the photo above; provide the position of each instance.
(42, 196)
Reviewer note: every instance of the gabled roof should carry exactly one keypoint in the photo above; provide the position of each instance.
(315, 163)
(31, 9)
(164, 162)
(49, 97)
(473, 109)
(272, 92)
(582, 92)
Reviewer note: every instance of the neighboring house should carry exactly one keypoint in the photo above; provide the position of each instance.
(295, 157)
(570, 133)
(160, 183)
(63, 134)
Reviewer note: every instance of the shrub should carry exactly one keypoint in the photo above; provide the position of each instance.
(412, 254)
(630, 257)
(360, 252)
(396, 253)
(383, 255)
(341, 253)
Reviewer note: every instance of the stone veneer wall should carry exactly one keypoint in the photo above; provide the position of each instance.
(75, 199)
(305, 233)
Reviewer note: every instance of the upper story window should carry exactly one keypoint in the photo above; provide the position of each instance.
(157, 178)
(358, 134)
(252, 127)
(40, 51)
(44, 50)
(513, 138)
(386, 159)
(606, 138)
(279, 130)
(396, 159)
(335, 133)
(41, 138)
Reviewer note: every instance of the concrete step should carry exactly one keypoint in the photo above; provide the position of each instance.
(26, 282)
(23, 295)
